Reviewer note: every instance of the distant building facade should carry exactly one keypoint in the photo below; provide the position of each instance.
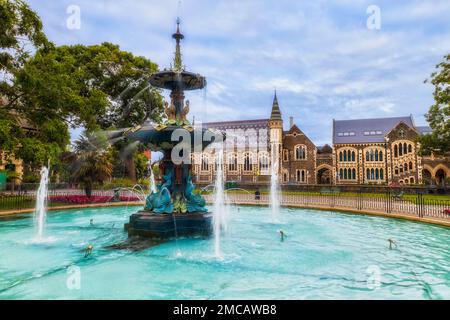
(379, 151)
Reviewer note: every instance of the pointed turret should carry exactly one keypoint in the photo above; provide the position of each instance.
(276, 113)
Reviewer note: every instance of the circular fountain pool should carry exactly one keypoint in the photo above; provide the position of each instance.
(325, 255)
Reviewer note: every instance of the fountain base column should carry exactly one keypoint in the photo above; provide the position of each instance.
(168, 226)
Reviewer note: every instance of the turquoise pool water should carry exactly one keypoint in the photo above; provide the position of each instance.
(326, 255)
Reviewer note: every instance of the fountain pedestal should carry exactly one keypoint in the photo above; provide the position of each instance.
(168, 226)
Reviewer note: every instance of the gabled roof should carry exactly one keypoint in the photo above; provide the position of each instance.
(366, 130)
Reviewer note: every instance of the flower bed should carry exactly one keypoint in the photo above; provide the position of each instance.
(82, 199)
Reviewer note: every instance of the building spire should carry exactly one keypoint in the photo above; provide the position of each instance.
(178, 36)
(276, 113)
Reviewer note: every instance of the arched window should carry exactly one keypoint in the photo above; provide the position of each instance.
(263, 162)
(300, 152)
(367, 156)
(303, 176)
(340, 156)
(410, 166)
(297, 176)
(205, 162)
(376, 155)
(353, 156)
(368, 174)
(248, 162)
(232, 162)
(345, 155)
(395, 151)
(372, 155)
(354, 174)
(381, 174)
(396, 170)
(285, 177)
(400, 149)
(372, 174)
(345, 174)
(341, 174)
(412, 181)
(410, 148)
(285, 155)
(377, 174)
(405, 167)
(381, 155)
(405, 148)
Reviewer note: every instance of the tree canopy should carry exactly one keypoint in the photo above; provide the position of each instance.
(98, 87)
(438, 115)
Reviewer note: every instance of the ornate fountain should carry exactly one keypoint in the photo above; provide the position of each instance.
(174, 209)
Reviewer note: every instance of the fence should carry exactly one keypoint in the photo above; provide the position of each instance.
(415, 205)
(21, 200)
(420, 205)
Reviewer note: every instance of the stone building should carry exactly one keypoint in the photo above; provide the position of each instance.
(265, 142)
(379, 151)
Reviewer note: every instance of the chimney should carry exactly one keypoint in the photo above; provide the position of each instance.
(291, 122)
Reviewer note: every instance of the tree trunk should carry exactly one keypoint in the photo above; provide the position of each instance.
(88, 189)
(131, 168)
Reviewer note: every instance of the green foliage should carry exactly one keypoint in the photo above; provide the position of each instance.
(439, 113)
(92, 162)
(141, 164)
(20, 27)
(96, 86)
(118, 183)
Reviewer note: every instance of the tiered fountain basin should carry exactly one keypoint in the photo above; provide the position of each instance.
(159, 137)
(169, 226)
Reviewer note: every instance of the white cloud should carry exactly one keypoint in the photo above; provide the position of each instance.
(320, 56)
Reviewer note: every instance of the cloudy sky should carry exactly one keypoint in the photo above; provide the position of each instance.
(321, 56)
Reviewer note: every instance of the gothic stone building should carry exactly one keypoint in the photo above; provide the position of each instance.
(365, 151)
(296, 155)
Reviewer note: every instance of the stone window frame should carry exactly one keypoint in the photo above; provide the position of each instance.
(301, 146)
(232, 162)
(264, 155)
(204, 163)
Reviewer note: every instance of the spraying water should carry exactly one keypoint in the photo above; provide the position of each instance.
(152, 186)
(274, 189)
(41, 203)
(220, 208)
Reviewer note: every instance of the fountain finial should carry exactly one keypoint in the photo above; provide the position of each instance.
(178, 36)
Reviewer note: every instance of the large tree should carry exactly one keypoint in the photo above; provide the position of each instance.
(20, 34)
(98, 87)
(439, 114)
(50, 88)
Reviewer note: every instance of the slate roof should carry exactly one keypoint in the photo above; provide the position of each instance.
(424, 129)
(240, 124)
(366, 130)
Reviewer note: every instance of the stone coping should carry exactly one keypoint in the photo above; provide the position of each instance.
(428, 220)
